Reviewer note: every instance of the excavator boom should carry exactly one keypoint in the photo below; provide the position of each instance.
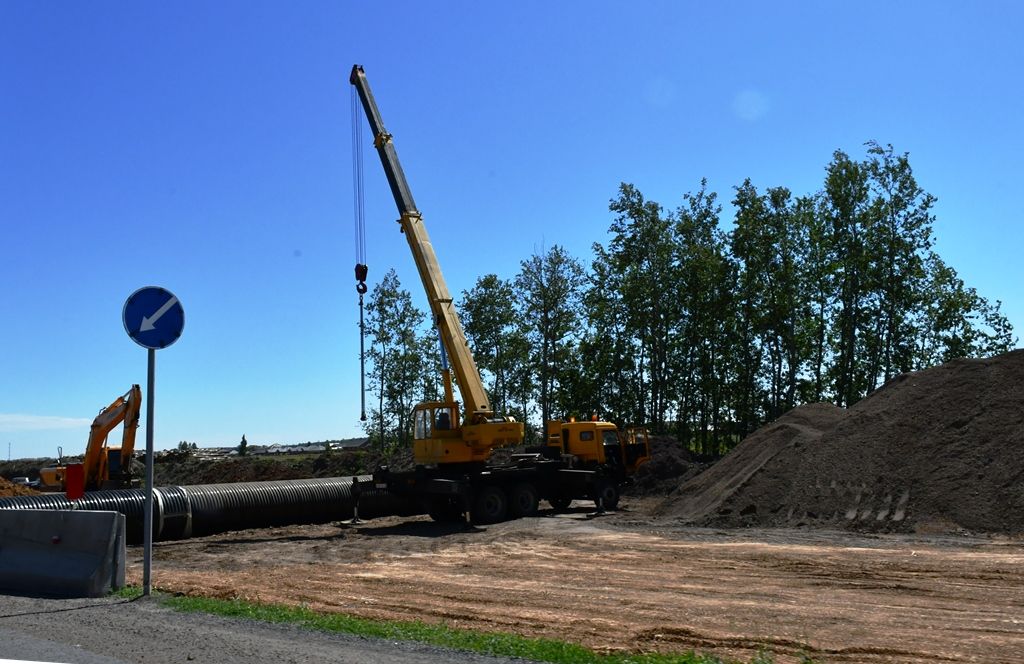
(125, 409)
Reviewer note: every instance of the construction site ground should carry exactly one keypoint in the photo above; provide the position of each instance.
(631, 581)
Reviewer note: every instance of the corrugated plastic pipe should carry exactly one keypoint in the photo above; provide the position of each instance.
(185, 511)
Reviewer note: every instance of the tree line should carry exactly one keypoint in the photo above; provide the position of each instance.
(700, 331)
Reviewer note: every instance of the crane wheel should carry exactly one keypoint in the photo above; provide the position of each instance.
(445, 510)
(490, 505)
(608, 492)
(560, 503)
(523, 500)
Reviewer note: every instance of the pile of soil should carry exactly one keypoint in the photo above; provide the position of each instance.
(940, 450)
(26, 467)
(190, 470)
(11, 489)
(670, 465)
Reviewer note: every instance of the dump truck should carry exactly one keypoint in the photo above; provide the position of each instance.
(455, 474)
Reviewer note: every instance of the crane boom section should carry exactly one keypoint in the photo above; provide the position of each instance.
(382, 141)
(471, 386)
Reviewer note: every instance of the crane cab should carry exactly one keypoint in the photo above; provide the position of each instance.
(440, 437)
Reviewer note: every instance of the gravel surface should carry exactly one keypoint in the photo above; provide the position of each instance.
(116, 631)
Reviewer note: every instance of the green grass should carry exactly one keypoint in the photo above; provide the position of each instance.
(128, 592)
(489, 643)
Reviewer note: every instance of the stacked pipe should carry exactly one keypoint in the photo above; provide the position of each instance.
(180, 512)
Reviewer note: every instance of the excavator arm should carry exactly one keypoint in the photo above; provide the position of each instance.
(125, 409)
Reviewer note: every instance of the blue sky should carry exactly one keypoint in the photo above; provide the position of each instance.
(204, 147)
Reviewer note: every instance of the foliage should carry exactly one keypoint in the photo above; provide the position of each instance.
(186, 448)
(398, 356)
(701, 331)
(550, 287)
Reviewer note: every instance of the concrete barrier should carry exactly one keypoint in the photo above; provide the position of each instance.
(67, 553)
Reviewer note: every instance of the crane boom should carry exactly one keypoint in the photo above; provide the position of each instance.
(471, 387)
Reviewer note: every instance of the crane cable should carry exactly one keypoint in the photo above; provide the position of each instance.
(360, 225)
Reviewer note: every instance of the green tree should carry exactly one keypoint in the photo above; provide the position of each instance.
(397, 361)
(550, 287)
(702, 341)
(640, 251)
(491, 324)
(899, 242)
(846, 202)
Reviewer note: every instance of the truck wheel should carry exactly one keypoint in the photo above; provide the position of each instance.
(609, 494)
(445, 510)
(490, 506)
(523, 500)
(560, 503)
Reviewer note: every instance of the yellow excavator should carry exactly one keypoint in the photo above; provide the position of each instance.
(452, 449)
(103, 466)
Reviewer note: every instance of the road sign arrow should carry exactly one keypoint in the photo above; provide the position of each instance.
(149, 322)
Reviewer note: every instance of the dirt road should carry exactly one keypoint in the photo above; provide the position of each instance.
(631, 581)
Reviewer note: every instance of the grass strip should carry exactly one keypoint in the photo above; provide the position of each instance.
(488, 643)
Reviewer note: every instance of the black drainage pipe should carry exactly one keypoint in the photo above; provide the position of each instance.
(186, 511)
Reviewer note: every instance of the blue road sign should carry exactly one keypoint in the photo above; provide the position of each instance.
(153, 317)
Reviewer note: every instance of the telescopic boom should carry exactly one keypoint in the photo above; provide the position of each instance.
(474, 398)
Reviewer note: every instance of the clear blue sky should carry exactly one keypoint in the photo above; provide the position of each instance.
(204, 147)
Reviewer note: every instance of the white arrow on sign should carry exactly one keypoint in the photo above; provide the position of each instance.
(149, 322)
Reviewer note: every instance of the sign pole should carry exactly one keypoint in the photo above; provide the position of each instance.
(153, 318)
(147, 546)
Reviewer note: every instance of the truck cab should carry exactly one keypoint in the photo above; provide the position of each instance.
(597, 444)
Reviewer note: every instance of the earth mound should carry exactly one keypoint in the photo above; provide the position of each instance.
(670, 465)
(935, 450)
(8, 488)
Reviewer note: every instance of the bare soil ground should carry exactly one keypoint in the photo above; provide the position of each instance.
(11, 489)
(633, 581)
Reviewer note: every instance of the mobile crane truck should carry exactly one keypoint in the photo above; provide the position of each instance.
(454, 474)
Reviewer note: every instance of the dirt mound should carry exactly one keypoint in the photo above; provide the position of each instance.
(936, 450)
(670, 465)
(256, 469)
(11, 489)
(709, 496)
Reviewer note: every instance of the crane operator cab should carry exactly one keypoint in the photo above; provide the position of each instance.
(440, 437)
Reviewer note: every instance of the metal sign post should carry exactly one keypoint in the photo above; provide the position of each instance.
(154, 318)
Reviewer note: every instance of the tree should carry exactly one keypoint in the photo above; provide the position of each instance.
(846, 204)
(397, 362)
(898, 243)
(489, 319)
(243, 447)
(550, 285)
(703, 340)
(640, 252)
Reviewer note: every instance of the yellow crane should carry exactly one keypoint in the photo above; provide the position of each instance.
(451, 449)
